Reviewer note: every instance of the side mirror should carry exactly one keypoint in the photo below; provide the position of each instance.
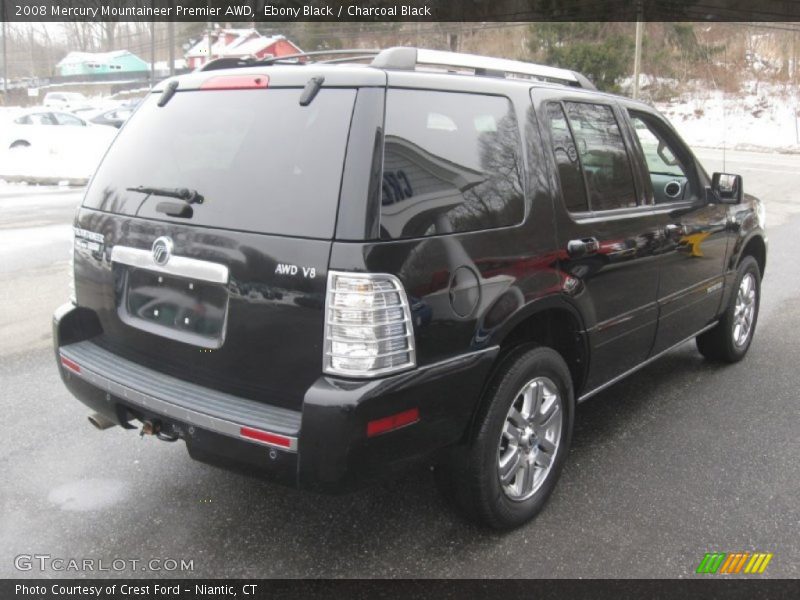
(727, 188)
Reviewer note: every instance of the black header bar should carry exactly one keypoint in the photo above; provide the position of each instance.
(260, 11)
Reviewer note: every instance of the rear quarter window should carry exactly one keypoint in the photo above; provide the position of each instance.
(452, 163)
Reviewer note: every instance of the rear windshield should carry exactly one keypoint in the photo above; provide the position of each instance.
(260, 160)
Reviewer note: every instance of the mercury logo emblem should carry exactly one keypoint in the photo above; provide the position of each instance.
(162, 250)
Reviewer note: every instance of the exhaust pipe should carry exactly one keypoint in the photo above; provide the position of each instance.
(100, 421)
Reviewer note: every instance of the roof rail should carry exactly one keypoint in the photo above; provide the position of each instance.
(354, 51)
(226, 63)
(408, 58)
(250, 61)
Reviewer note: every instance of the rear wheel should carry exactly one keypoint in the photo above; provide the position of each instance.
(730, 339)
(505, 476)
(19, 144)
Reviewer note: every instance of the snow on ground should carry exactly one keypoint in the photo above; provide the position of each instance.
(760, 118)
(48, 167)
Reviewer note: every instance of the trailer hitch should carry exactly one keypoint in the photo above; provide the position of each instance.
(155, 428)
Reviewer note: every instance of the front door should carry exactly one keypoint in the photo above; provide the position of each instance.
(695, 233)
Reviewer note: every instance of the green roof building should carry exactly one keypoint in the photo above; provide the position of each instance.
(96, 63)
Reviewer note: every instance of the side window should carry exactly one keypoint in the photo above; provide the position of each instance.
(573, 189)
(668, 174)
(66, 119)
(605, 162)
(452, 162)
(41, 119)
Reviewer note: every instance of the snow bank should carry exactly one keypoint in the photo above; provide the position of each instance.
(761, 118)
(44, 166)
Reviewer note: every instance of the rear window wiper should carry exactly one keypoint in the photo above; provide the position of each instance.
(187, 195)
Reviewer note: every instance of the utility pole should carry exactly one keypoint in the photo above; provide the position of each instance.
(152, 53)
(208, 42)
(453, 42)
(637, 55)
(171, 43)
(5, 53)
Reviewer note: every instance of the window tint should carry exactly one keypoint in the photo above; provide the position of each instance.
(573, 189)
(605, 162)
(262, 162)
(452, 163)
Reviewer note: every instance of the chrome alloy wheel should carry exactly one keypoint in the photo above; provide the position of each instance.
(530, 438)
(744, 311)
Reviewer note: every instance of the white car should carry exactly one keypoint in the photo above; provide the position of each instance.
(66, 101)
(55, 131)
(48, 141)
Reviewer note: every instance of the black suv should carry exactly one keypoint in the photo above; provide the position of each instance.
(327, 271)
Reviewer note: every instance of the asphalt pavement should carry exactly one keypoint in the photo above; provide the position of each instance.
(683, 458)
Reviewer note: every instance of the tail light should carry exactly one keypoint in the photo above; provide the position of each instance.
(368, 329)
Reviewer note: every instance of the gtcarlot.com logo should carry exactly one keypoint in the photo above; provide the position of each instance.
(46, 562)
(734, 563)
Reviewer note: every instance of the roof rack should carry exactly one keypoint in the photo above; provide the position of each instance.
(408, 58)
(405, 58)
(231, 63)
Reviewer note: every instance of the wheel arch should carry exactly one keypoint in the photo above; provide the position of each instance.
(553, 322)
(756, 247)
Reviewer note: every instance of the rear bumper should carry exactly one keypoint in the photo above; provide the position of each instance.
(323, 447)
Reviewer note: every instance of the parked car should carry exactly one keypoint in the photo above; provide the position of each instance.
(114, 117)
(87, 112)
(450, 253)
(68, 101)
(54, 131)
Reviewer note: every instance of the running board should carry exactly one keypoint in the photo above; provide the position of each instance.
(653, 358)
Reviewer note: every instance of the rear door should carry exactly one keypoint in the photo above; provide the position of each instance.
(607, 232)
(226, 290)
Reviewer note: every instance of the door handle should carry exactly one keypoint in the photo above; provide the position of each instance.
(675, 230)
(584, 247)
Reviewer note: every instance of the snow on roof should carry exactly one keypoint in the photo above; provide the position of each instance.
(219, 45)
(252, 46)
(74, 58)
(246, 43)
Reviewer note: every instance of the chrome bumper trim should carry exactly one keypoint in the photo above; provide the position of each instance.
(180, 266)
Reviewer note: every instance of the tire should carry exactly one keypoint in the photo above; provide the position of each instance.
(730, 339)
(537, 384)
(19, 144)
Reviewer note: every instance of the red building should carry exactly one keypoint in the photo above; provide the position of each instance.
(238, 43)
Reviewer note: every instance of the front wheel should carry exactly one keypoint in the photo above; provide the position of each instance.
(504, 478)
(730, 339)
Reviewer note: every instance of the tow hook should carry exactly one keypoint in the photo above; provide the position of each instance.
(154, 428)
